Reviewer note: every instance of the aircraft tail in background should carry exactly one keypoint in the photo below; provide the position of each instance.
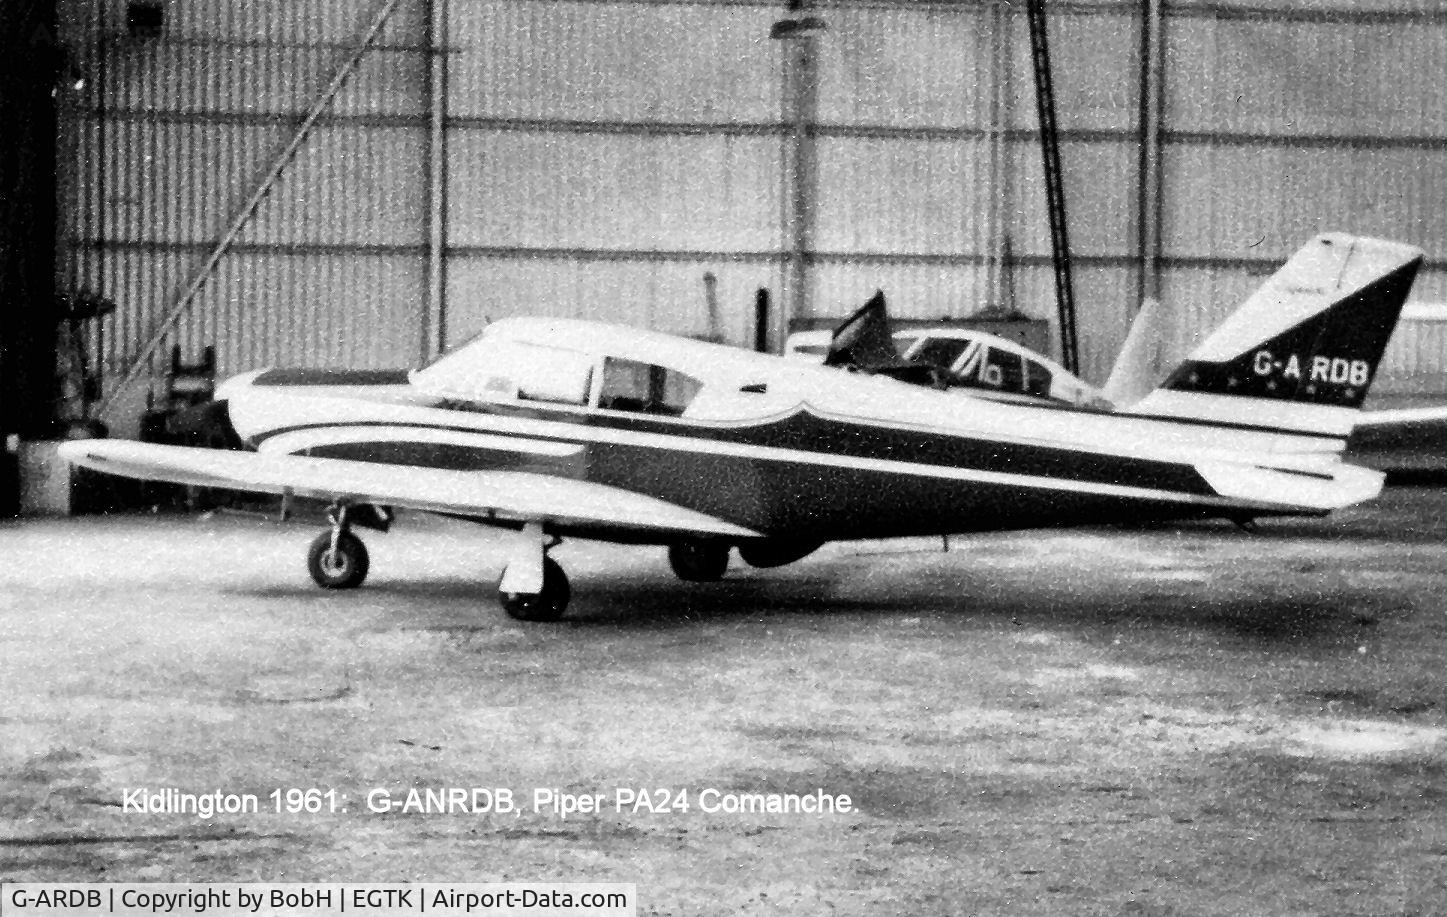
(1137, 370)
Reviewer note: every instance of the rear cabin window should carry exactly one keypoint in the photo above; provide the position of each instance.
(645, 388)
(1037, 379)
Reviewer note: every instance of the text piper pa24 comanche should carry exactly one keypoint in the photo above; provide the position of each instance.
(562, 428)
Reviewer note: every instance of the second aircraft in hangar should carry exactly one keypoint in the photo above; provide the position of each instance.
(563, 428)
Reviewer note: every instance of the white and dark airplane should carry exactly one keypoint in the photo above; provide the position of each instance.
(969, 362)
(564, 428)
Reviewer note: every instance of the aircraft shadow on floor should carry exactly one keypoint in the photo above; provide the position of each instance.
(1271, 622)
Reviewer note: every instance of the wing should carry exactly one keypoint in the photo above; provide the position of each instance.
(509, 494)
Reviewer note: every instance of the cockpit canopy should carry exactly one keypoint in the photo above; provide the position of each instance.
(501, 369)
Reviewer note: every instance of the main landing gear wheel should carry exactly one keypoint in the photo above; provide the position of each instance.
(339, 565)
(767, 552)
(699, 561)
(547, 605)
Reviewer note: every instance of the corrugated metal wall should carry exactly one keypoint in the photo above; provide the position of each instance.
(177, 133)
(606, 156)
(601, 157)
(1284, 119)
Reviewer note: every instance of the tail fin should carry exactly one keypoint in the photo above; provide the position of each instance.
(1137, 368)
(1301, 353)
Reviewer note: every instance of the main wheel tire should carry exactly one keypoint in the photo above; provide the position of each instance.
(767, 553)
(547, 605)
(344, 569)
(699, 561)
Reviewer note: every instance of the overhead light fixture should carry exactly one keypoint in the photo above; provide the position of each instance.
(797, 26)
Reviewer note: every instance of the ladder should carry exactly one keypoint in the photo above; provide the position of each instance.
(1054, 185)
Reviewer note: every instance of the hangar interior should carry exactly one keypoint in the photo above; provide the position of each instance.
(367, 183)
(1209, 719)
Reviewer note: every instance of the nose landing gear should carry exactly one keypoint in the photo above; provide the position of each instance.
(547, 604)
(533, 587)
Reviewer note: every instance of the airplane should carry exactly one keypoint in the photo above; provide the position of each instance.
(567, 428)
(977, 362)
(1401, 441)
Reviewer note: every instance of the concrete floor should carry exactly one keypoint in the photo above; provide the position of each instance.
(1186, 721)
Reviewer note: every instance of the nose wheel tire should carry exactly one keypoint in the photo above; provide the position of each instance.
(344, 568)
(547, 605)
(699, 561)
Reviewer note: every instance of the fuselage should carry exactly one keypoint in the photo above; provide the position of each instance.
(788, 450)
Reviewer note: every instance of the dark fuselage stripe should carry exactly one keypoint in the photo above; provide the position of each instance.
(807, 435)
(807, 432)
(825, 498)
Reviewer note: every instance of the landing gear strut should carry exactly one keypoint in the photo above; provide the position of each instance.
(533, 587)
(338, 559)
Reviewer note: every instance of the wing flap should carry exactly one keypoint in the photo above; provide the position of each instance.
(509, 494)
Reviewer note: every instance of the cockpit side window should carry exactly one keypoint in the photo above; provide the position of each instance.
(626, 385)
(629, 385)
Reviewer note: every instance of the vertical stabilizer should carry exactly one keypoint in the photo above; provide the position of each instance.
(1301, 353)
(1137, 368)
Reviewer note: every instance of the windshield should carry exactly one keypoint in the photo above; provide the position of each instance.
(492, 370)
(941, 352)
